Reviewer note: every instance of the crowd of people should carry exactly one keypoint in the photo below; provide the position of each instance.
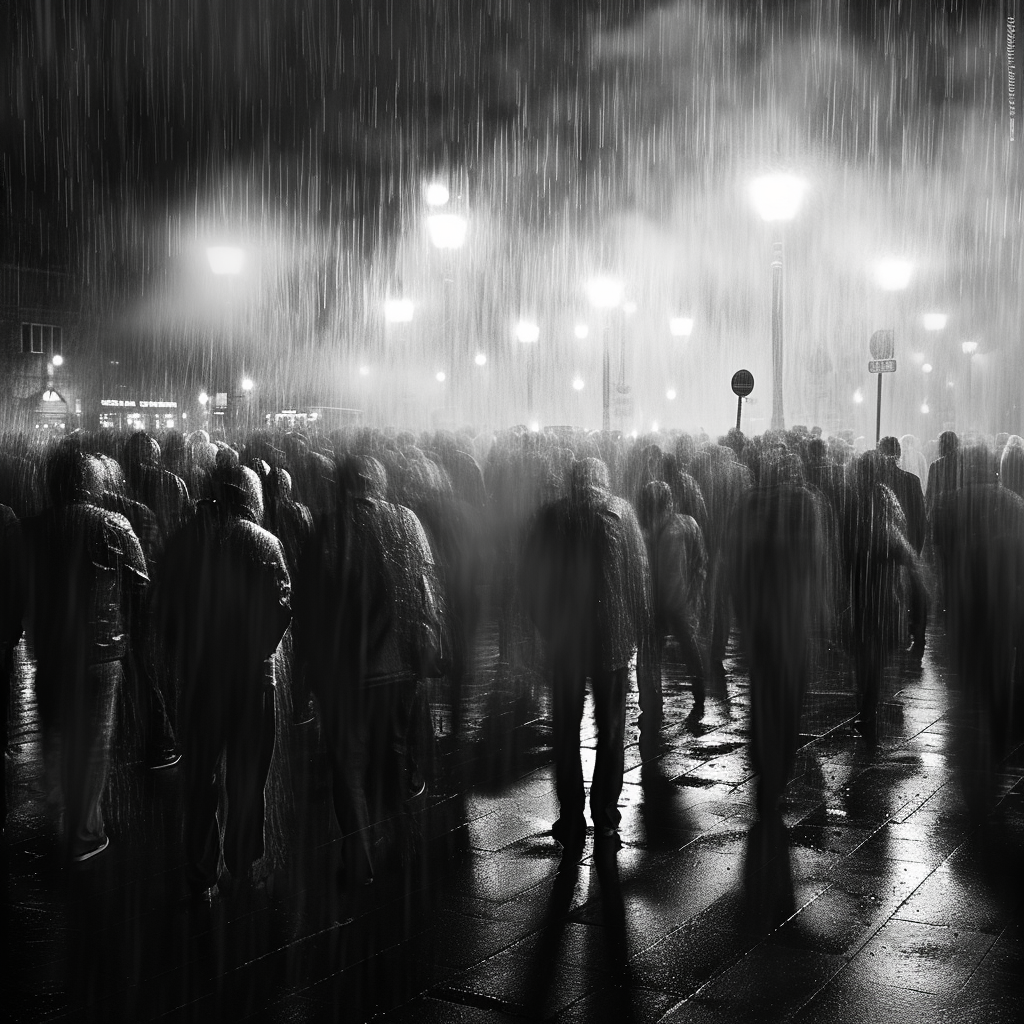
(235, 591)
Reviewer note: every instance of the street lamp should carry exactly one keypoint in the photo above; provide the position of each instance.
(447, 230)
(436, 193)
(528, 333)
(398, 311)
(893, 275)
(226, 260)
(776, 197)
(969, 348)
(680, 326)
(934, 321)
(58, 360)
(605, 293)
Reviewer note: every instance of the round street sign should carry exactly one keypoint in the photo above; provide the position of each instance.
(882, 345)
(742, 383)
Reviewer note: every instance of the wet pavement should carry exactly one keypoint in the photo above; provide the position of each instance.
(885, 898)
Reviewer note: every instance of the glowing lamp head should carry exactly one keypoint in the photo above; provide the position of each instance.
(858, 396)
(777, 196)
(893, 275)
(604, 292)
(926, 368)
(203, 398)
(527, 332)
(247, 384)
(680, 326)
(578, 384)
(398, 311)
(436, 193)
(671, 394)
(934, 321)
(924, 408)
(969, 348)
(225, 259)
(480, 359)
(58, 360)
(629, 308)
(440, 376)
(581, 331)
(534, 426)
(447, 230)
(364, 371)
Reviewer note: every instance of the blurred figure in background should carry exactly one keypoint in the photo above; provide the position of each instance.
(86, 586)
(12, 600)
(586, 581)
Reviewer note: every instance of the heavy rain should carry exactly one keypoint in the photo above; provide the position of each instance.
(512, 510)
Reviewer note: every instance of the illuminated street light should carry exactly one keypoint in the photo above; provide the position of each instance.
(439, 376)
(225, 259)
(58, 360)
(893, 275)
(927, 368)
(247, 384)
(578, 383)
(654, 426)
(203, 398)
(527, 332)
(534, 426)
(924, 408)
(581, 331)
(480, 359)
(604, 292)
(777, 196)
(629, 308)
(680, 326)
(858, 396)
(436, 193)
(969, 348)
(364, 371)
(398, 311)
(447, 230)
(671, 394)
(934, 321)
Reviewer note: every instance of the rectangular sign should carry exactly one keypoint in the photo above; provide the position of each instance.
(881, 366)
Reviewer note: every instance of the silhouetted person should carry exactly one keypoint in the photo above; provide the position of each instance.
(156, 487)
(12, 601)
(586, 582)
(86, 581)
(945, 473)
(223, 604)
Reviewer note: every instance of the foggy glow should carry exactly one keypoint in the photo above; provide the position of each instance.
(934, 321)
(203, 398)
(364, 371)
(447, 230)
(436, 194)
(654, 426)
(58, 360)
(927, 368)
(969, 348)
(893, 275)
(398, 311)
(534, 426)
(671, 394)
(629, 307)
(225, 259)
(777, 196)
(480, 359)
(247, 384)
(924, 408)
(604, 292)
(439, 376)
(527, 332)
(578, 384)
(681, 326)
(581, 331)
(858, 396)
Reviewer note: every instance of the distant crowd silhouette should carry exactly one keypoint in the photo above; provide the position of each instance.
(230, 592)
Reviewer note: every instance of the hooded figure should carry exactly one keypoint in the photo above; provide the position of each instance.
(223, 604)
(586, 582)
(87, 578)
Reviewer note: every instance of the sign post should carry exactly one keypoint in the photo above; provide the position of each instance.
(882, 350)
(742, 385)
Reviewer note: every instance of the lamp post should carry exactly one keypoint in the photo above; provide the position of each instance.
(528, 333)
(776, 197)
(969, 348)
(605, 294)
(225, 261)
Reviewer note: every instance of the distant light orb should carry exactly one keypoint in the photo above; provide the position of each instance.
(203, 398)
(604, 292)
(969, 348)
(398, 311)
(436, 193)
(858, 396)
(934, 321)
(439, 376)
(680, 326)
(654, 426)
(527, 332)
(924, 408)
(927, 368)
(247, 384)
(633, 434)
(480, 359)
(777, 196)
(364, 371)
(629, 308)
(58, 360)
(581, 331)
(671, 394)
(534, 426)
(447, 230)
(578, 383)
(893, 275)
(225, 259)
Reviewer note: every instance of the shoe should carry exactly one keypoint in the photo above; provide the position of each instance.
(165, 757)
(608, 838)
(81, 858)
(304, 715)
(571, 839)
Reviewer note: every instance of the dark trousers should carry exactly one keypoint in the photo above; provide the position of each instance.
(6, 677)
(567, 714)
(76, 710)
(241, 731)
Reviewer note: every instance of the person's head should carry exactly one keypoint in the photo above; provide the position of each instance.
(72, 475)
(141, 450)
(362, 476)
(588, 475)
(654, 503)
(949, 443)
(890, 448)
(238, 491)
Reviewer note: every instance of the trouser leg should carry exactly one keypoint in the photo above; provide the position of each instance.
(610, 713)
(204, 744)
(6, 675)
(566, 715)
(648, 680)
(88, 731)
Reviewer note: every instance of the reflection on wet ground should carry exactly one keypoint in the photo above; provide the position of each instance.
(878, 897)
